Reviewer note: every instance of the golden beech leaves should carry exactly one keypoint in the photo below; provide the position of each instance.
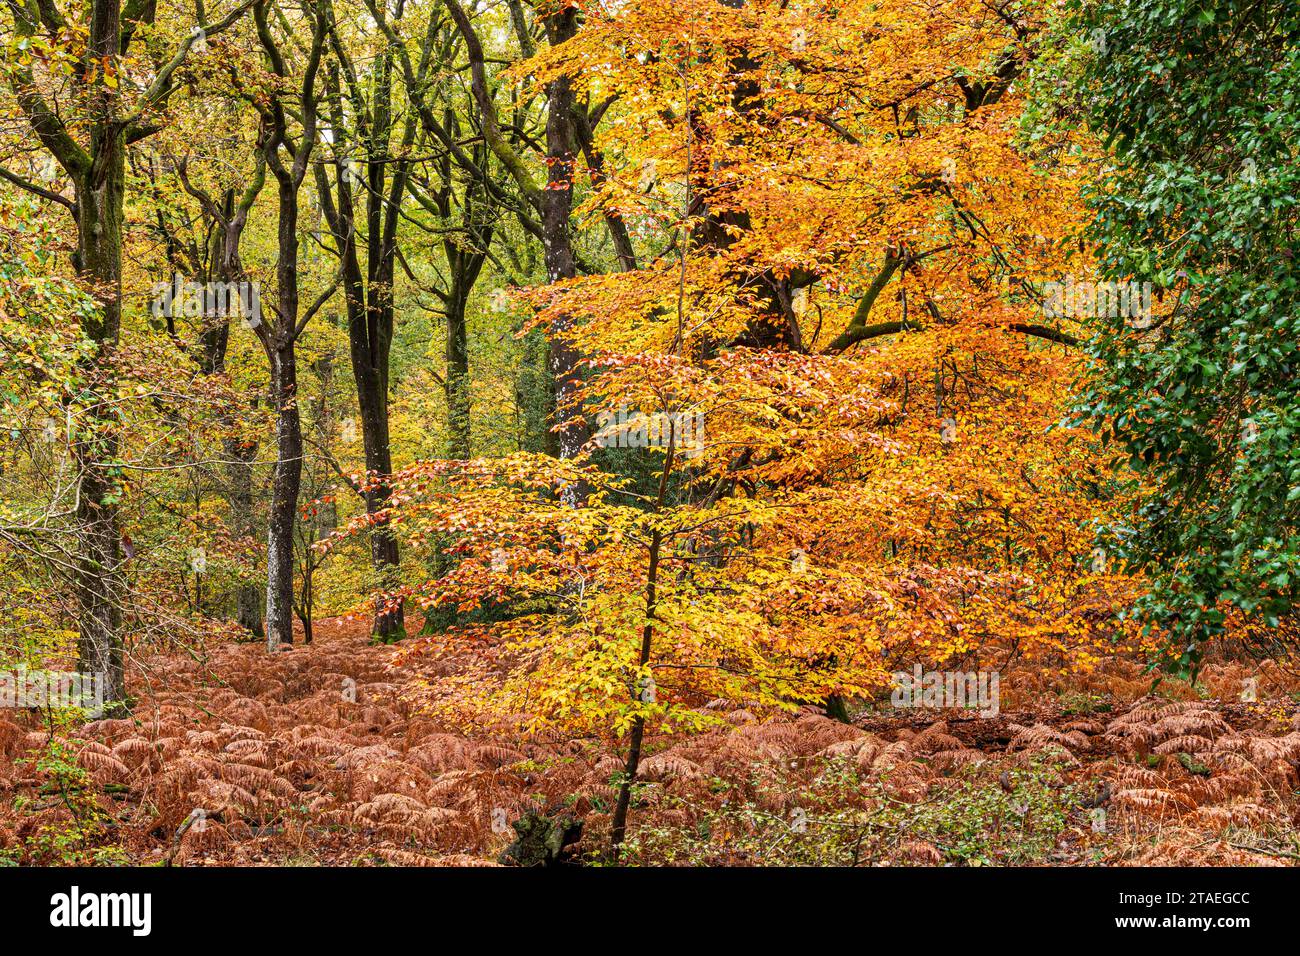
(836, 369)
(575, 578)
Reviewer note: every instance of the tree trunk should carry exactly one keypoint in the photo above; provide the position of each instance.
(279, 337)
(457, 382)
(285, 484)
(368, 295)
(618, 825)
(239, 472)
(557, 203)
(101, 585)
(372, 396)
(227, 267)
(286, 478)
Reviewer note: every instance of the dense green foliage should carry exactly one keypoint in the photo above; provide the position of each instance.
(1200, 100)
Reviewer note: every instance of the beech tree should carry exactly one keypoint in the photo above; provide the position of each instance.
(288, 95)
(369, 167)
(92, 154)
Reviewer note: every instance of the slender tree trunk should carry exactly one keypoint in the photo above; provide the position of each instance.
(281, 345)
(457, 381)
(370, 307)
(465, 257)
(372, 397)
(280, 336)
(553, 203)
(381, 252)
(285, 484)
(619, 822)
(239, 473)
(614, 223)
(227, 267)
(557, 242)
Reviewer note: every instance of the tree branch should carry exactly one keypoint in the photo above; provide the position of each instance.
(37, 190)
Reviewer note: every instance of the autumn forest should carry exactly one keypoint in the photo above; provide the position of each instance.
(621, 433)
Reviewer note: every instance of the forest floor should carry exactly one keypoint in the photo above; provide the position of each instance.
(315, 755)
